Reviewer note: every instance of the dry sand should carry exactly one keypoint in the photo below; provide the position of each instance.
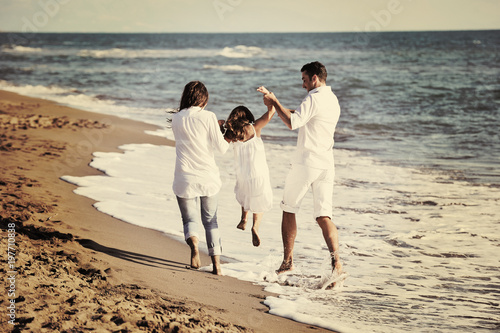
(77, 269)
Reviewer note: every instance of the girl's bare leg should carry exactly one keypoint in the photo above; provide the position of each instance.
(257, 217)
(243, 222)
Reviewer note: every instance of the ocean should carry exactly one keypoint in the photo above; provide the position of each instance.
(417, 150)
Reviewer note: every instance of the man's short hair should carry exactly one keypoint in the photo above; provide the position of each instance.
(315, 68)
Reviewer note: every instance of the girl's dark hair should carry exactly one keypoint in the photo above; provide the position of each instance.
(237, 120)
(195, 94)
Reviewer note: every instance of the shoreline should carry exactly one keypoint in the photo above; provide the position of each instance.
(69, 255)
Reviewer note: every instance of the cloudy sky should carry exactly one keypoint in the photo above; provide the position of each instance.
(247, 15)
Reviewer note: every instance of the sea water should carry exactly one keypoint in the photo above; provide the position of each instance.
(416, 157)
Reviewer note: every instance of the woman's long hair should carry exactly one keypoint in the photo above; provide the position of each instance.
(195, 94)
(236, 122)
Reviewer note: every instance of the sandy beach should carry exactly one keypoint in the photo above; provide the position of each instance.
(72, 268)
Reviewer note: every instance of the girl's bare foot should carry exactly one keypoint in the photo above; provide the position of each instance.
(286, 265)
(195, 253)
(255, 237)
(242, 225)
(217, 270)
(257, 218)
(243, 221)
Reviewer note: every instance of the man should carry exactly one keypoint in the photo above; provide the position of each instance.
(312, 164)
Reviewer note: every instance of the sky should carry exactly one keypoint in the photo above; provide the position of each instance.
(247, 15)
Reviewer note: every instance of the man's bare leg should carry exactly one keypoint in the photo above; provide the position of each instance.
(288, 234)
(257, 217)
(195, 253)
(331, 236)
(243, 221)
(216, 265)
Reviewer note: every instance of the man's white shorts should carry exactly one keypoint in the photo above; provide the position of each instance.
(300, 178)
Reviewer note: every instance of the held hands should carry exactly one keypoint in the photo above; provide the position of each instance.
(273, 105)
(221, 126)
(269, 97)
(263, 90)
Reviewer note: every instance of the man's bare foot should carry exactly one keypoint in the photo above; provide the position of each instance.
(195, 253)
(286, 265)
(242, 225)
(336, 269)
(255, 237)
(217, 270)
(336, 265)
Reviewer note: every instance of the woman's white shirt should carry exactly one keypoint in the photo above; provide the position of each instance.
(197, 139)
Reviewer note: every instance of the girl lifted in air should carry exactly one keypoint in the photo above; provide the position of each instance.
(253, 187)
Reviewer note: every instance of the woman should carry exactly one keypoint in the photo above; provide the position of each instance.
(197, 180)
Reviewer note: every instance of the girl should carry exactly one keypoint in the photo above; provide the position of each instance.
(197, 180)
(253, 187)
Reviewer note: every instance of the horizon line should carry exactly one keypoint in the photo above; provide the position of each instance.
(242, 32)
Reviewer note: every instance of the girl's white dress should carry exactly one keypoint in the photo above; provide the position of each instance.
(253, 187)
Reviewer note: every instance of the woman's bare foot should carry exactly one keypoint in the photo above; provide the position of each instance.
(286, 265)
(195, 253)
(255, 237)
(242, 225)
(217, 270)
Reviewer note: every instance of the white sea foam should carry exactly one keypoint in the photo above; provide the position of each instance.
(399, 231)
(34, 91)
(21, 49)
(241, 51)
(230, 68)
(112, 52)
(146, 53)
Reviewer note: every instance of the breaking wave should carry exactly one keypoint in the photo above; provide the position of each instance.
(241, 51)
